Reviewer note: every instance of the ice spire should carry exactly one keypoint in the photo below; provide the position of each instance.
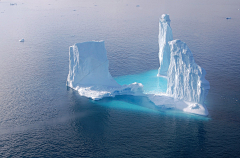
(186, 79)
(165, 35)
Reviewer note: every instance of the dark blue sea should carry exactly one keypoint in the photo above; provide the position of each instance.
(41, 117)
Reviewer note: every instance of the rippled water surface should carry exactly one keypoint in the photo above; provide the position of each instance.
(41, 117)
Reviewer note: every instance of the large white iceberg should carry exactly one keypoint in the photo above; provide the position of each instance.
(186, 89)
(89, 74)
(165, 35)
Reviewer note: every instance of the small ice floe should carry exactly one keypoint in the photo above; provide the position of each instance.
(21, 40)
(228, 18)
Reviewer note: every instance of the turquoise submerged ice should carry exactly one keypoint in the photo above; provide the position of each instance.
(152, 84)
(179, 83)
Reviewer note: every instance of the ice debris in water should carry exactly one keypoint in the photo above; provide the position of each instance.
(21, 40)
(89, 74)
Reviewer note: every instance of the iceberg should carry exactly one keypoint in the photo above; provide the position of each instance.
(21, 40)
(89, 74)
(187, 87)
(165, 35)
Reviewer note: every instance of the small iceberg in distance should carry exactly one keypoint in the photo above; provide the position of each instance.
(21, 40)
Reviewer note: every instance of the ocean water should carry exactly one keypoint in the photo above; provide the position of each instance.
(41, 117)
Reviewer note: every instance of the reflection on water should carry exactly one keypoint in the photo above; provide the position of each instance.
(95, 119)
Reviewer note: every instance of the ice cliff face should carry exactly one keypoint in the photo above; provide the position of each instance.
(186, 79)
(165, 35)
(89, 75)
(88, 65)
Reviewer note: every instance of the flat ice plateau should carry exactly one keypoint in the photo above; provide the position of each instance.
(187, 87)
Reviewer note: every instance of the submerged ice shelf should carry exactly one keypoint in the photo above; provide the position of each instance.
(179, 83)
(155, 88)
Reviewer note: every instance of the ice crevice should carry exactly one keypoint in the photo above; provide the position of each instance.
(187, 87)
